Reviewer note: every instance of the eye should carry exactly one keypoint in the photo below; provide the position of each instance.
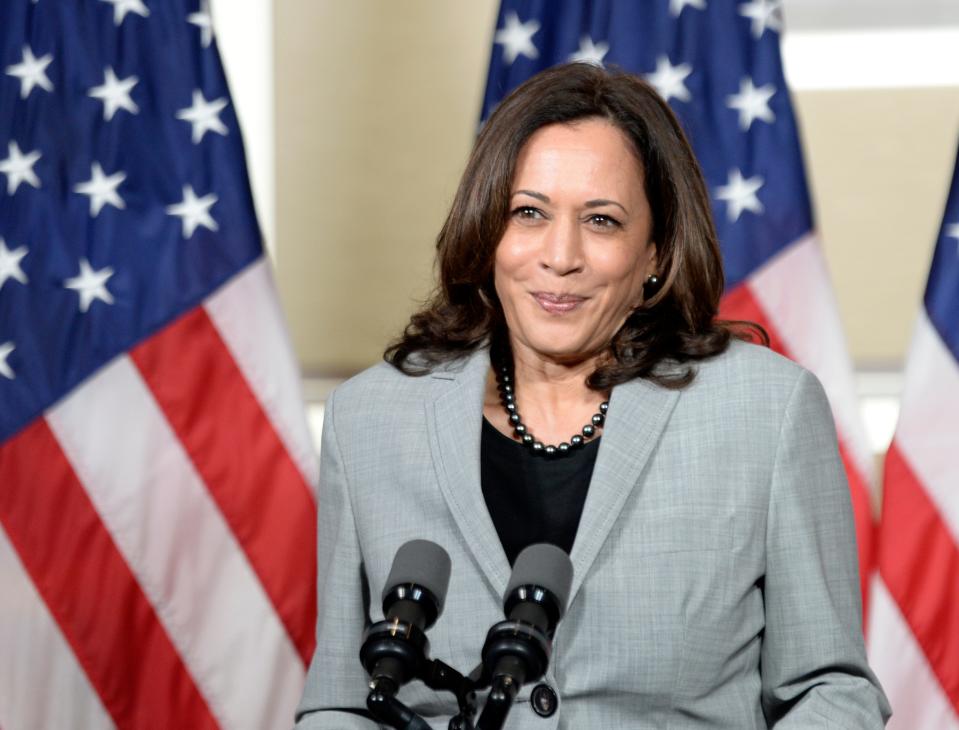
(527, 213)
(603, 221)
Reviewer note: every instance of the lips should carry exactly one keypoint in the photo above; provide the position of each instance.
(558, 303)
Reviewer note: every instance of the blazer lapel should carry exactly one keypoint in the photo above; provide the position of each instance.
(638, 413)
(455, 417)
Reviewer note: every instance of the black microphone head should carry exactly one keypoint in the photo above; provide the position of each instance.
(542, 576)
(545, 566)
(424, 564)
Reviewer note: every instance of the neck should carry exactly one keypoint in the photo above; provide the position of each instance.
(551, 387)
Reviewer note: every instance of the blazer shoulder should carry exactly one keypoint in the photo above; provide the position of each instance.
(755, 375)
(378, 382)
(749, 365)
(384, 389)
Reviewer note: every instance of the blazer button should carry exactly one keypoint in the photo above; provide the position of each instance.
(544, 700)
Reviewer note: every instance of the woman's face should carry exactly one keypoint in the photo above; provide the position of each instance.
(571, 265)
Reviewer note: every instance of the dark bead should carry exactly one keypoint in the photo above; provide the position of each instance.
(538, 447)
(508, 397)
(588, 431)
(603, 407)
(598, 419)
(520, 428)
(511, 407)
(514, 418)
(563, 447)
(527, 438)
(507, 388)
(577, 440)
(550, 450)
(506, 378)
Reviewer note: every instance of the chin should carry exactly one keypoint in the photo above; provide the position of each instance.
(554, 339)
(561, 351)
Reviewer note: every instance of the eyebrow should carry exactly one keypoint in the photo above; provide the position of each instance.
(589, 203)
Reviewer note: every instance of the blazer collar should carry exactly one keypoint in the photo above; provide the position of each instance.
(638, 413)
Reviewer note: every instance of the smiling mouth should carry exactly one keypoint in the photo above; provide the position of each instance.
(558, 303)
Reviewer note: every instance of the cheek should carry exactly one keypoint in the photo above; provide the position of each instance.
(509, 264)
(625, 272)
(512, 252)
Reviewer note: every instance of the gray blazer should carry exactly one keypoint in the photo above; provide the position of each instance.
(715, 582)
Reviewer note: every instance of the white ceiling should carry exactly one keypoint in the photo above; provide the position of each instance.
(846, 15)
(856, 44)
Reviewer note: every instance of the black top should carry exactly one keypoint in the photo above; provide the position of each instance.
(533, 498)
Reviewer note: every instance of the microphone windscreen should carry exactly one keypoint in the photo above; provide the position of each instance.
(546, 566)
(424, 563)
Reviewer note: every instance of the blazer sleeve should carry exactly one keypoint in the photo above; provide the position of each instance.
(334, 695)
(813, 661)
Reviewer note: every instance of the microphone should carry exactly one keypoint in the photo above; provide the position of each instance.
(394, 650)
(517, 650)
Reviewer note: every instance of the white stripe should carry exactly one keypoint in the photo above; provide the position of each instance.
(180, 548)
(246, 312)
(41, 683)
(796, 293)
(928, 430)
(917, 699)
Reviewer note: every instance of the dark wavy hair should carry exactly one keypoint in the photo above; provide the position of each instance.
(675, 326)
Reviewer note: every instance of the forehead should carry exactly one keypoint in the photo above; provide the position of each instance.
(590, 152)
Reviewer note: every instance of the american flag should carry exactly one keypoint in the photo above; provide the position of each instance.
(157, 510)
(914, 626)
(718, 65)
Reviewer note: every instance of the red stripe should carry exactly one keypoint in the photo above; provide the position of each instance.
(90, 591)
(919, 562)
(243, 462)
(741, 304)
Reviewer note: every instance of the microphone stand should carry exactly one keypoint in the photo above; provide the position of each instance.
(498, 703)
(437, 675)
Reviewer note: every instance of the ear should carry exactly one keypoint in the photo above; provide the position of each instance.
(652, 267)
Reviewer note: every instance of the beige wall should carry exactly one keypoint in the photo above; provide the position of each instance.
(881, 161)
(376, 107)
(377, 104)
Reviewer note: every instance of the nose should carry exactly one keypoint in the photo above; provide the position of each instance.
(562, 250)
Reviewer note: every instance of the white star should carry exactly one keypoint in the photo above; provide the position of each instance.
(18, 168)
(517, 38)
(10, 263)
(90, 285)
(676, 6)
(194, 211)
(122, 7)
(740, 193)
(32, 72)
(102, 189)
(764, 14)
(668, 79)
(5, 370)
(204, 22)
(203, 116)
(590, 52)
(752, 103)
(952, 231)
(115, 93)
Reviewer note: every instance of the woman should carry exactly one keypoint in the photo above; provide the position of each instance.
(569, 383)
